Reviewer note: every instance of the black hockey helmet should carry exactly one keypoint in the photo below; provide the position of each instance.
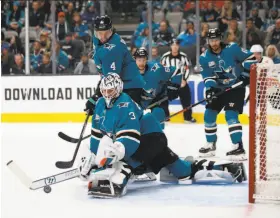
(102, 23)
(141, 52)
(214, 33)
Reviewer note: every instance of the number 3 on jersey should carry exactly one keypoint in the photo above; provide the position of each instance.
(132, 116)
(113, 66)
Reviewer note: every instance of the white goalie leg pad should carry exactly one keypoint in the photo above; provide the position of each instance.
(213, 176)
(116, 179)
(104, 143)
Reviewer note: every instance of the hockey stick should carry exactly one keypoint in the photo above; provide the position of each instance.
(69, 164)
(247, 99)
(75, 140)
(44, 182)
(197, 103)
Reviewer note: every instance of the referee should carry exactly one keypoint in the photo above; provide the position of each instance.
(180, 60)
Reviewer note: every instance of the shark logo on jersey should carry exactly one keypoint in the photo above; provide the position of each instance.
(123, 104)
(212, 64)
(109, 46)
(225, 74)
(155, 67)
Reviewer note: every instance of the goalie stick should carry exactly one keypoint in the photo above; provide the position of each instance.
(44, 182)
(69, 164)
(75, 140)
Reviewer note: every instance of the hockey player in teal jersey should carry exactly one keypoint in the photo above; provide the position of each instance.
(221, 67)
(111, 55)
(125, 141)
(160, 82)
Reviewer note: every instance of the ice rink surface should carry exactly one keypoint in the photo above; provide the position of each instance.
(36, 148)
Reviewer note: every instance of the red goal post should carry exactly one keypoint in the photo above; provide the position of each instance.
(264, 133)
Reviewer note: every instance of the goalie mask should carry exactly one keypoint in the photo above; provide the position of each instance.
(111, 87)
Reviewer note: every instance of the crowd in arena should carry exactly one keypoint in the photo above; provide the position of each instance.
(74, 30)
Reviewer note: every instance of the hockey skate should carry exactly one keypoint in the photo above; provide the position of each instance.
(106, 189)
(237, 153)
(208, 150)
(237, 171)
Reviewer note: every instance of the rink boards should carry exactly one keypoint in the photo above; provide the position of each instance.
(62, 99)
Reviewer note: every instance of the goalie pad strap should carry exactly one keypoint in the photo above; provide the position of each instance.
(210, 165)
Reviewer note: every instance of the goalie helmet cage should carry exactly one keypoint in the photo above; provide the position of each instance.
(264, 136)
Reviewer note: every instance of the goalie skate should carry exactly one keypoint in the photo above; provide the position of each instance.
(208, 150)
(106, 189)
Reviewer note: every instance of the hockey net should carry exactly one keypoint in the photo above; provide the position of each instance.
(264, 150)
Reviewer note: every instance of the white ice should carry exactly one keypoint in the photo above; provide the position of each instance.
(36, 147)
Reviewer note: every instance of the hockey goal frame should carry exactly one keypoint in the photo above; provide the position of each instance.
(258, 81)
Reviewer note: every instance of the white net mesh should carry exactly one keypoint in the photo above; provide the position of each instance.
(267, 148)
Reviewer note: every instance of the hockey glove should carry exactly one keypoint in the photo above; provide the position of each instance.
(90, 105)
(245, 80)
(113, 153)
(172, 90)
(147, 95)
(210, 94)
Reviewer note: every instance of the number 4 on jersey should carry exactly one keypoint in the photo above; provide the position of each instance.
(113, 66)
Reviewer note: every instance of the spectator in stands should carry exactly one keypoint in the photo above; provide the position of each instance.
(210, 14)
(46, 65)
(155, 55)
(272, 52)
(7, 58)
(22, 5)
(259, 4)
(19, 67)
(145, 25)
(69, 14)
(175, 6)
(203, 36)
(273, 36)
(233, 34)
(228, 13)
(3, 17)
(190, 14)
(61, 59)
(15, 18)
(90, 14)
(256, 19)
(45, 7)
(80, 30)
(16, 45)
(73, 48)
(253, 35)
(86, 66)
(163, 36)
(143, 39)
(61, 27)
(45, 41)
(187, 37)
(36, 16)
(270, 21)
(36, 56)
